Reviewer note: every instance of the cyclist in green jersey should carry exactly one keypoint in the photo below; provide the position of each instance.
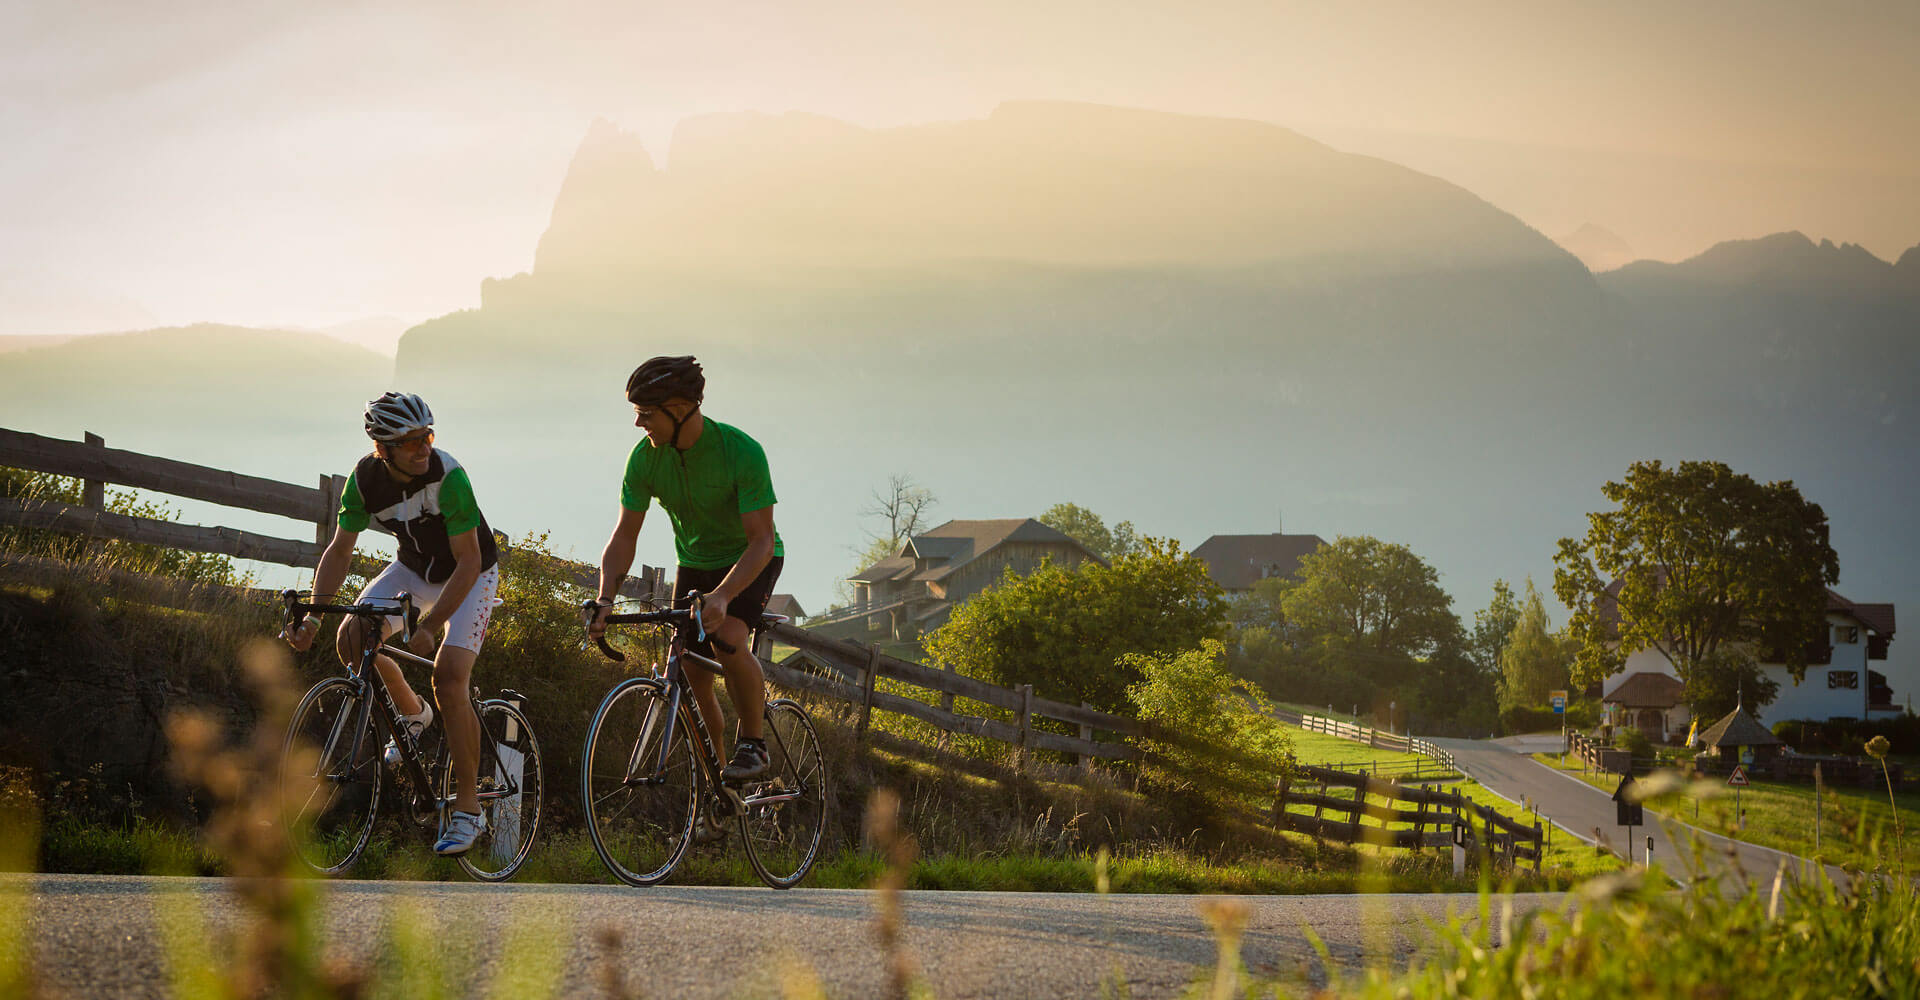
(447, 563)
(713, 482)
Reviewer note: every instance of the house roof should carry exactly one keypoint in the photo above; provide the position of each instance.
(957, 543)
(889, 568)
(1648, 689)
(1738, 729)
(784, 604)
(1236, 561)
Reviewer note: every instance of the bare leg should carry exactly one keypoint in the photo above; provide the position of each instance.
(347, 642)
(746, 684)
(452, 669)
(702, 684)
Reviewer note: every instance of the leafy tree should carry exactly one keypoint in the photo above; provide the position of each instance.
(1374, 599)
(1086, 527)
(1229, 736)
(1065, 631)
(1711, 568)
(1534, 661)
(1493, 625)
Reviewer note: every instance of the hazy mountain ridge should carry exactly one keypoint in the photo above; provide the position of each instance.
(1780, 262)
(1036, 183)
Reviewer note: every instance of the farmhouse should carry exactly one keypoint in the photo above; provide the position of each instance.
(915, 589)
(1237, 562)
(1839, 683)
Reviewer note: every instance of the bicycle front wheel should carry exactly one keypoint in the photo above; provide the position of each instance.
(512, 786)
(330, 772)
(638, 782)
(784, 813)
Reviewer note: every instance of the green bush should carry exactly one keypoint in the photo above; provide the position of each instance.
(1633, 741)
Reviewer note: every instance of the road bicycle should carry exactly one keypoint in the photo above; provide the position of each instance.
(650, 769)
(333, 764)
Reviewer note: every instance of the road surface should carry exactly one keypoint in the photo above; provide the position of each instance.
(97, 935)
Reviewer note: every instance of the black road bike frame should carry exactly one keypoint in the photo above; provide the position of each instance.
(686, 622)
(365, 676)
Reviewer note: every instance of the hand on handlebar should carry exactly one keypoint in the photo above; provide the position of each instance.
(422, 642)
(710, 610)
(301, 636)
(594, 614)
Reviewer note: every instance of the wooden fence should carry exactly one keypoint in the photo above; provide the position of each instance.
(1376, 738)
(1433, 821)
(850, 671)
(96, 465)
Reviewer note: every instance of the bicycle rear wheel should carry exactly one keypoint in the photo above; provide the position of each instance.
(512, 786)
(639, 801)
(330, 772)
(784, 813)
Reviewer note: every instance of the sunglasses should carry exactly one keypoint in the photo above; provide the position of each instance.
(411, 443)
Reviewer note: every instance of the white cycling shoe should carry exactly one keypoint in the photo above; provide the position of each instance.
(462, 830)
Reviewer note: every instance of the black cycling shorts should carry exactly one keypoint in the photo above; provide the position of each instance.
(746, 607)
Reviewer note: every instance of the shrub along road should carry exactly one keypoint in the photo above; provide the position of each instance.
(97, 935)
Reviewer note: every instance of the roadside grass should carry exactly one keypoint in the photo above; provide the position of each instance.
(1855, 826)
(1324, 750)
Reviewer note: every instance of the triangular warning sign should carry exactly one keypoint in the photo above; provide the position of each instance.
(1738, 779)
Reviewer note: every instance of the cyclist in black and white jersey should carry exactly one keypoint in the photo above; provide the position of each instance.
(447, 562)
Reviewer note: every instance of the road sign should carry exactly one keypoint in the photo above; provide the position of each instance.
(1629, 804)
(1559, 701)
(1738, 779)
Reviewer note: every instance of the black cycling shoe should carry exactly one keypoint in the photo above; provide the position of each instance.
(749, 761)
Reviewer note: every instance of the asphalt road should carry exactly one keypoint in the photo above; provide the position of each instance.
(97, 936)
(1580, 810)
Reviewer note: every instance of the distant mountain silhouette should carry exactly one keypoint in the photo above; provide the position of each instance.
(1782, 261)
(1599, 249)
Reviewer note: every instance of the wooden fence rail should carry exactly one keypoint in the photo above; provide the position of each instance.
(850, 671)
(96, 465)
(1434, 821)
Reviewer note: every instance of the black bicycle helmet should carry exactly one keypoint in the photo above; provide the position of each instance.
(395, 415)
(661, 379)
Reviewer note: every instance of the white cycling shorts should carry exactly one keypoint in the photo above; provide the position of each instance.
(467, 628)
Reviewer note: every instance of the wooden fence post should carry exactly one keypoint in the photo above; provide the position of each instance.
(330, 489)
(866, 698)
(1026, 721)
(1086, 733)
(93, 492)
(946, 697)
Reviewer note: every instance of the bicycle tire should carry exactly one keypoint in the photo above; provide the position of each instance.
(640, 823)
(784, 813)
(512, 823)
(328, 808)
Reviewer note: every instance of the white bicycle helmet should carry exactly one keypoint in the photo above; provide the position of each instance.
(395, 415)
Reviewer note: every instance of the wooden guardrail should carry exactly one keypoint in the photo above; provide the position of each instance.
(96, 465)
(849, 671)
(1433, 822)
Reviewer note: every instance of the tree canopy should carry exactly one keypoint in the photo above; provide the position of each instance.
(1374, 597)
(1086, 527)
(1066, 631)
(1706, 566)
(1533, 662)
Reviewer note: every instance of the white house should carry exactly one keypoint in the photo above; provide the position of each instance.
(1836, 685)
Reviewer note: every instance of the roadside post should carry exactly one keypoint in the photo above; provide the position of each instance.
(1738, 780)
(1819, 786)
(1459, 850)
(1559, 701)
(1627, 805)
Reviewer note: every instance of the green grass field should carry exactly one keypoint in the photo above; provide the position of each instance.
(1855, 825)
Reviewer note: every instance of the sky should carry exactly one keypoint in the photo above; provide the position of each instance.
(310, 165)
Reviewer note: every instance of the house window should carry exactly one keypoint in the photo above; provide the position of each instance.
(1846, 635)
(1848, 679)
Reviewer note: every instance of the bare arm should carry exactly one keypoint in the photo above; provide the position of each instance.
(327, 578)
(466, 569)
(617, 557)
(759, 527)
